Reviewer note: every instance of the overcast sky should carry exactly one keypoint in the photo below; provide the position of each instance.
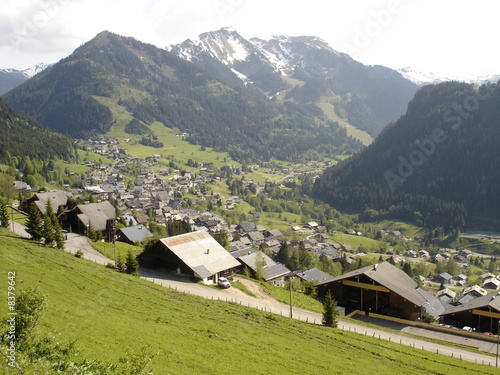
(453, 37)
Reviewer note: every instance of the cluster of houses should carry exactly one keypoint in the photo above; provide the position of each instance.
(199, 255)
(381, 288)
(488, 282)
(378, 289)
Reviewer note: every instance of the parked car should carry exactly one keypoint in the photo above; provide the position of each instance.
(467, 328)
(224, 283)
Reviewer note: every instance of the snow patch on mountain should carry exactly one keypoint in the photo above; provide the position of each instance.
(34, 70)
(422, 78)
(26, 73)
(239, 52)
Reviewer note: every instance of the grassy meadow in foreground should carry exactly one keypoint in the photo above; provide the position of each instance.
(106, 312)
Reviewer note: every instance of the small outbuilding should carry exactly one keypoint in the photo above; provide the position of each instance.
(270, 270)
(136, 233)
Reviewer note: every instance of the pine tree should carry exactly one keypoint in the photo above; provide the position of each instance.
(91, 233)
(284, 253)
(4, 214)
(49, 225)
(407, 269)
(330, 311)
(59, 236)
(131, 263)
(34, 223)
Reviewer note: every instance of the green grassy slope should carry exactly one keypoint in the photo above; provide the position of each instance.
(106, 312)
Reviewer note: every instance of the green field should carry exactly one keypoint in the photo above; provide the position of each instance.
(355, 241)
(106, 312)
(329, 110)
(408, 229)
(109, 250)
(173, 145)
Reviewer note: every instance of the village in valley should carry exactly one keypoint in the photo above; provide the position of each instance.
(133, 200)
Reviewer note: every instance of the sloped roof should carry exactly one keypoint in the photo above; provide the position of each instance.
(444, 275)
(97, 213)
(447, 292)
(272, 269)
(255, 236)
(275, 233)
(389, 276)
(246, 226)
(201, 253)
(56, 197)
(136, 233)
(315, 274)
(163, 196)
(490, 300)
(433, 305)
(475, 288)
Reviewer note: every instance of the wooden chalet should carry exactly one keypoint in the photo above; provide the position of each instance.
(379, 288)
(482, 314)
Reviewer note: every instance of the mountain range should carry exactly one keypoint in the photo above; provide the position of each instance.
(304, 70)
(11, 78)
(286, 97)
(422, 78)
(437, 165)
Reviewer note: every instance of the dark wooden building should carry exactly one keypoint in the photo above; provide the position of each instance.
(482, 314)
(380, 288)
(101, 215)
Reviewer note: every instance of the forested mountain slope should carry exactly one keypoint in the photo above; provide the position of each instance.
(437, 164)
(24, 138)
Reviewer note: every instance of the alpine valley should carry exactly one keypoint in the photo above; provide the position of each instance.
(292, 98)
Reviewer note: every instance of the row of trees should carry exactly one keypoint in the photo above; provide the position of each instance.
(45, 227)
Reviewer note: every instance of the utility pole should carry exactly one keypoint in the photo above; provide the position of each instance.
(12, 220)
(498, 342)
(291, 304)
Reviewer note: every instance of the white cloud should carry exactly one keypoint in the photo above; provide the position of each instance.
(448, 36)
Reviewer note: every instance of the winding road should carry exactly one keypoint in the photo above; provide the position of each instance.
(184, 284)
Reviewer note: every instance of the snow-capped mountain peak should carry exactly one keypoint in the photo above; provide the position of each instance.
(225, 45)
(10, 78)
(278, 53)
(34, 70)
(422, 78)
